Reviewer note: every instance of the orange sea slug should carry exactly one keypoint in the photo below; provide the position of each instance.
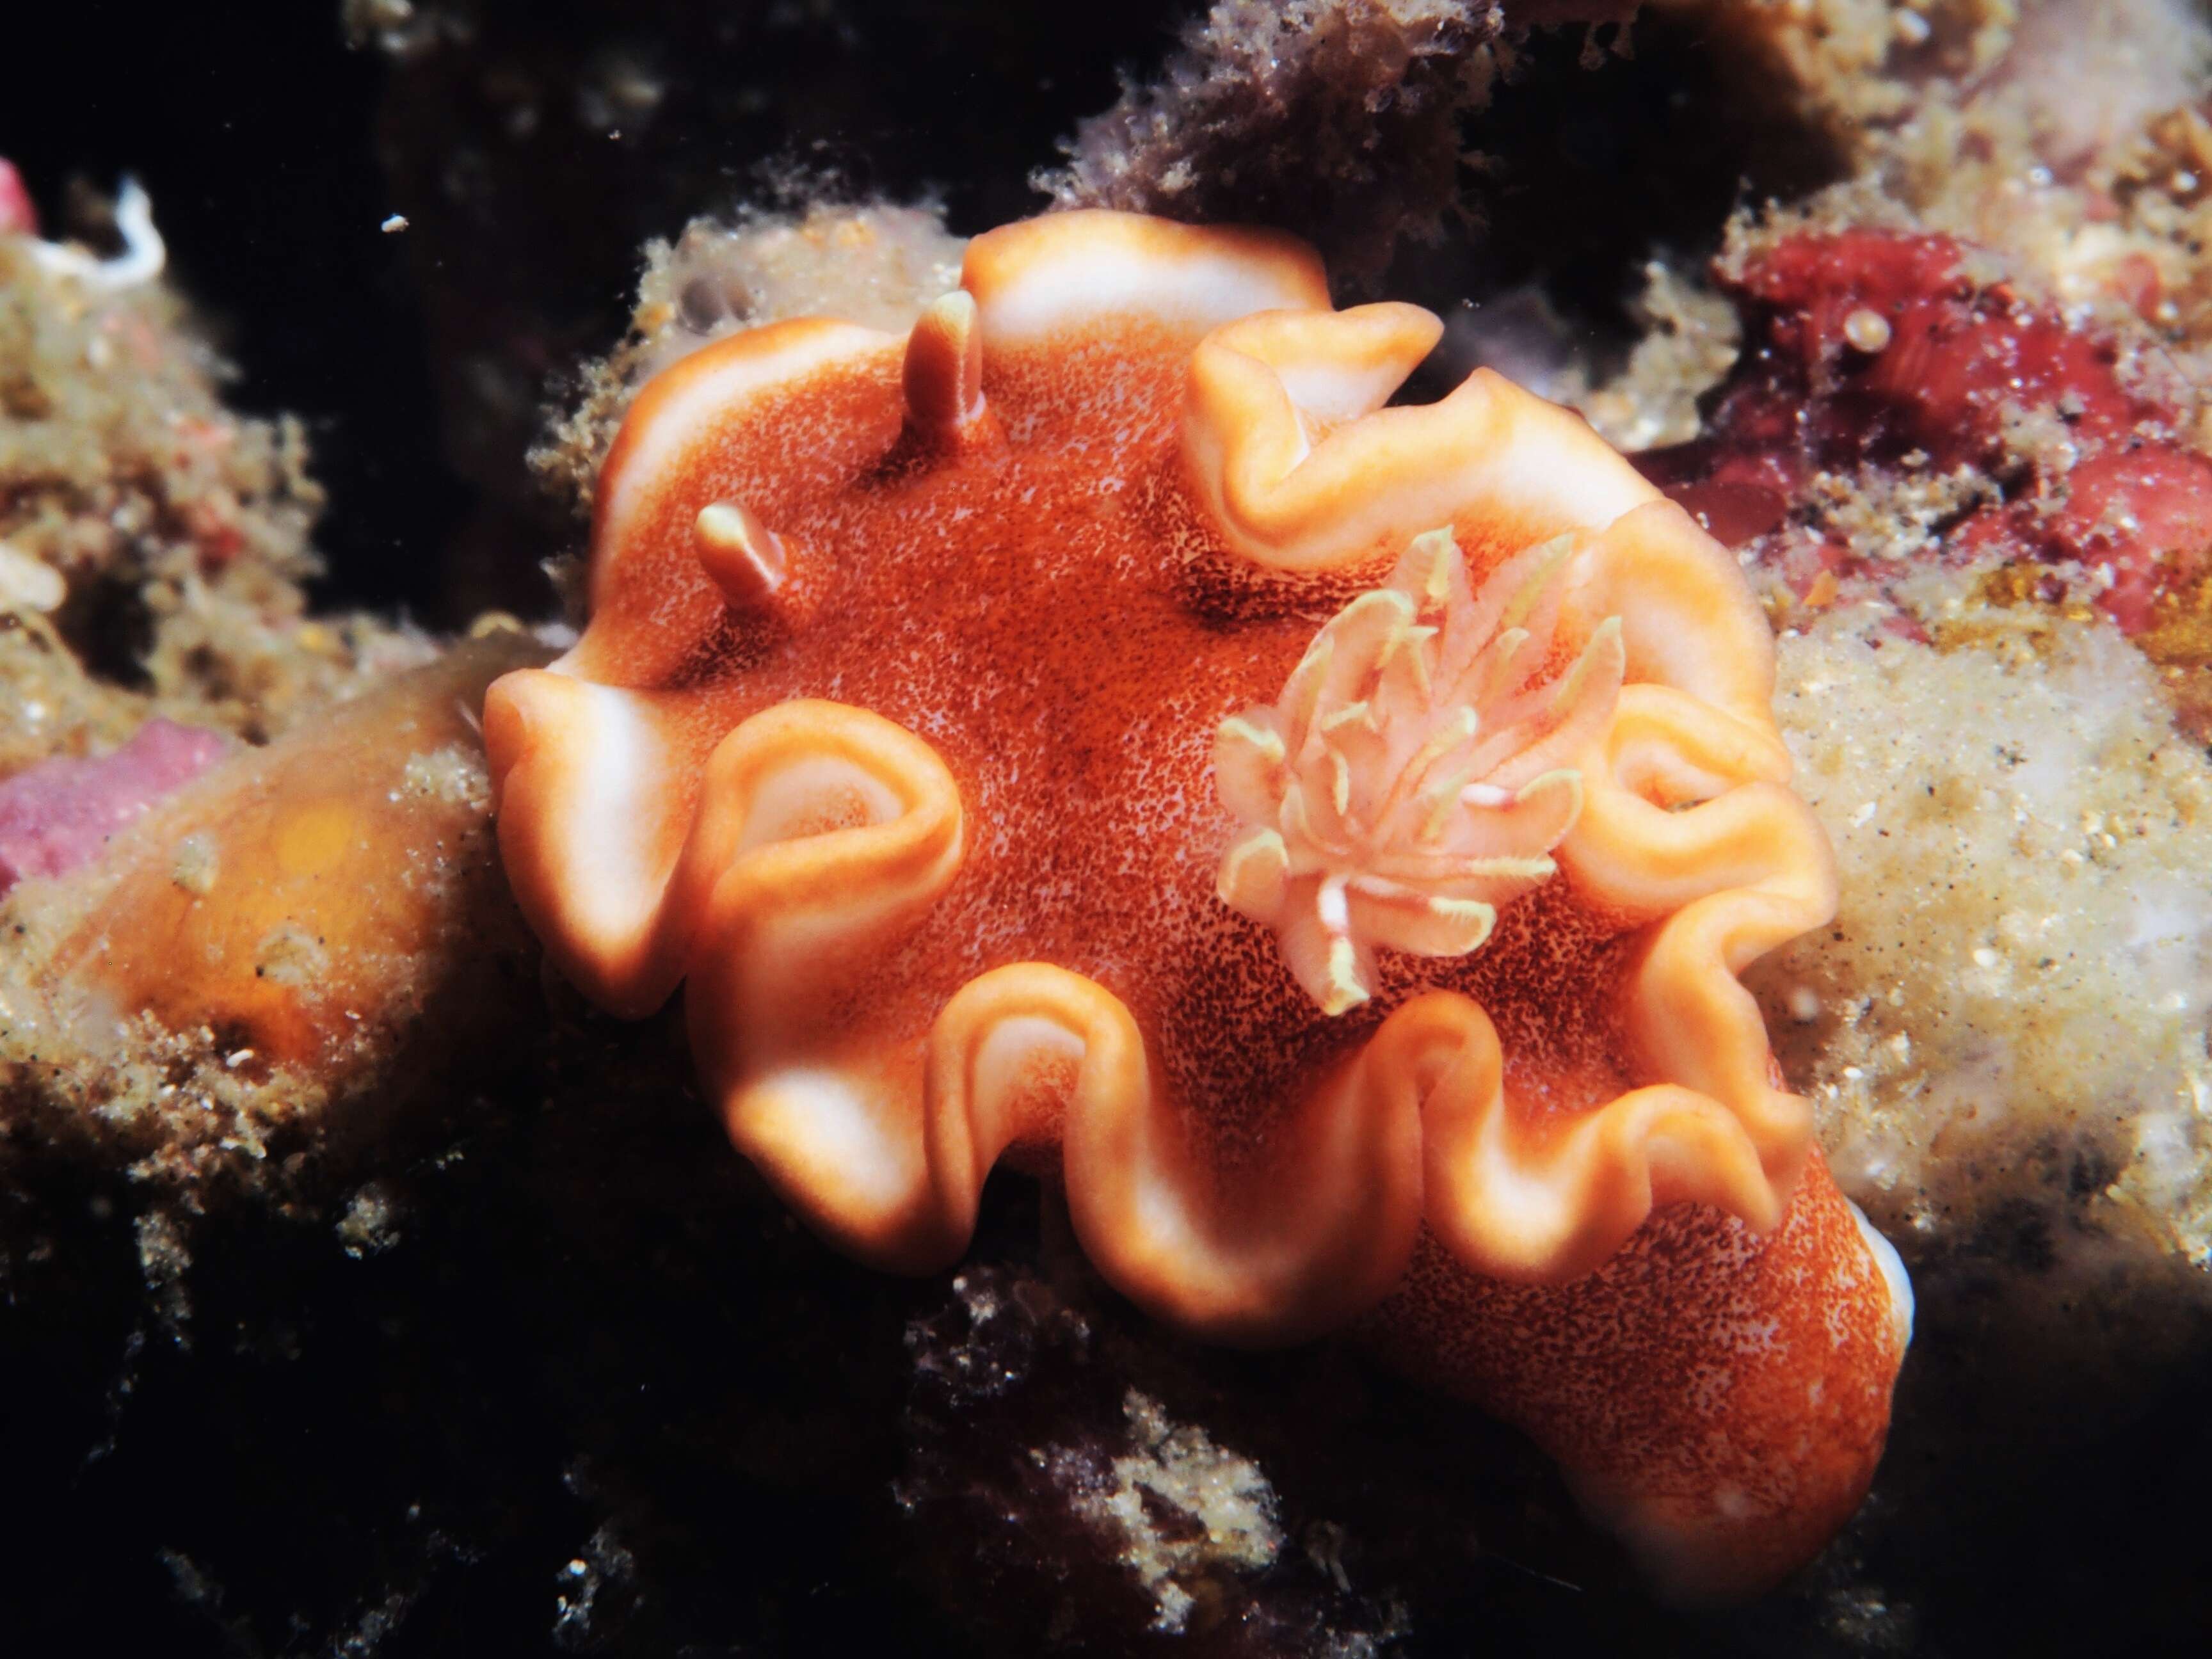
(1093, 731)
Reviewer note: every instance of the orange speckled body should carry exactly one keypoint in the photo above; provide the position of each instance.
(1763, 1370)
(1037, 620)
(893, 739)
(978, 621)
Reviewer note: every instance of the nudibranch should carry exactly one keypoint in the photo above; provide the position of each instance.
(1094, 730)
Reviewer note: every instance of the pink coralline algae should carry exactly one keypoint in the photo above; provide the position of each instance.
(58, 814)
(18, 217)
(1942, 374)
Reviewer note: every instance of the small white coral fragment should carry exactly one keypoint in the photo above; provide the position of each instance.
(1417, 769)
(144, 253)
(27, 583)
(1178, 1466)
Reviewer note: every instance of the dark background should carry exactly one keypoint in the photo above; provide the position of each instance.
(273, 151)
(531, 176)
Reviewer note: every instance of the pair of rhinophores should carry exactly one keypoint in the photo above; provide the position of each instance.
(1095, 731)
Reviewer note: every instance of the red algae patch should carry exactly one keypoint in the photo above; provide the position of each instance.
(1878, 351)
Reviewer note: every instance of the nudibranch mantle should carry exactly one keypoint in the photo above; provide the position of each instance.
(949, 724)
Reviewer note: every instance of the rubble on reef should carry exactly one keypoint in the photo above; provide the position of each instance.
(2057, 133)
(373, 1295)
(873, 263)
(230, 989)
(1090, 1505)
(2004, 1029)
(1337, 118)
(154, 543)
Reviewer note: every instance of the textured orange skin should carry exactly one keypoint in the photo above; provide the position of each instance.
(1041, 599)
(1614, 1375)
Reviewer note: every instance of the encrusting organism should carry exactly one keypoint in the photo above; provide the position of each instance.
(61, 812)
(1094, 730)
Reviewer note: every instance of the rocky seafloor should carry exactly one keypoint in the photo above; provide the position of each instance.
(364, 1291)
